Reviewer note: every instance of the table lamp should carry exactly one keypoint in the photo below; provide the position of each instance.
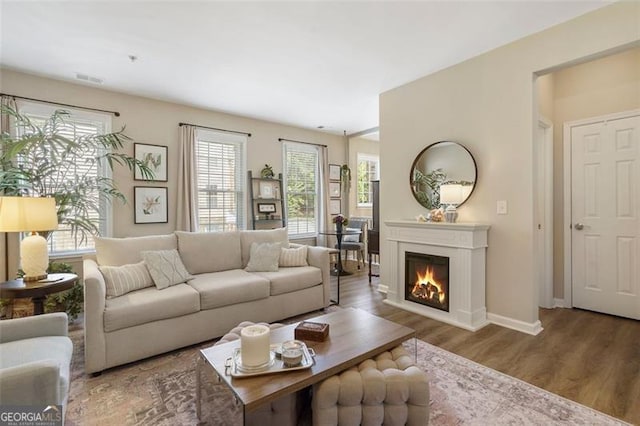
(451, 194)
(30, 214)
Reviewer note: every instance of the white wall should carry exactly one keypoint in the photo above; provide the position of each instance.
(156, 122)
(487, 104)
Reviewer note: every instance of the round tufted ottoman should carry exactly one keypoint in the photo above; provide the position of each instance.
(282, 411)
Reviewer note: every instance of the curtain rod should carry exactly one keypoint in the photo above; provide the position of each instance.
(306, 143)
(116, 113)
(214, 128)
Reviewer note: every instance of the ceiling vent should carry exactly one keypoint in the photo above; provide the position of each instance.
(88, 78)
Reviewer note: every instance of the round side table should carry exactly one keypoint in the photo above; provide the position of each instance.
(37, 290)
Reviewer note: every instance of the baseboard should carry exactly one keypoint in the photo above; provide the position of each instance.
(558, 303)
(533, 328)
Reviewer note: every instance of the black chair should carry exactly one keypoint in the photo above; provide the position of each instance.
(355, 242)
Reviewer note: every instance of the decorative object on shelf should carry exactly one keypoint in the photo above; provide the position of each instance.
(155, 158)
(334, 172)
(266, 207)
(340, 222)
(151, 204)
(267, 172)
(436, 215)
(442, 162)
(334, 189)
(345, 177)
(334, 206)
(422, 218)
(52, 163)
(451, 196)
(266, 190)
(30, 214)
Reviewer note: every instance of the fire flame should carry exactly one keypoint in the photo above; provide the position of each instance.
(427, 282)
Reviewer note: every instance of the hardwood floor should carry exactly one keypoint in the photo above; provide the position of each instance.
(590, 358)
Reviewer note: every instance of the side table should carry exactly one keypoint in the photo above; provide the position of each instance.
(37, 290)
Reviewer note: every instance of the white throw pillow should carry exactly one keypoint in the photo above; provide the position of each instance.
(123, 279)
(355, 238)
(166, 267)
(264, 257)
(293, 256)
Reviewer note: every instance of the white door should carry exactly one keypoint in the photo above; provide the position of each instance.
(605, 198)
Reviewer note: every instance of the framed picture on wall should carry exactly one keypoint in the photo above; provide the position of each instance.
(334, 206)
(151, 204)
(334, 189)
(154, 157)
(334, 172)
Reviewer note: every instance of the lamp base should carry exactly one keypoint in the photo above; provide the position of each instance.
(34, 278)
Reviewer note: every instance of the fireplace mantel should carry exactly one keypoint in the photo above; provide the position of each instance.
(464, 244)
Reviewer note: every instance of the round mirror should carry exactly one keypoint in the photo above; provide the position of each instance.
(443, 163)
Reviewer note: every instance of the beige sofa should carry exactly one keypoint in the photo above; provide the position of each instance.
(149, 321)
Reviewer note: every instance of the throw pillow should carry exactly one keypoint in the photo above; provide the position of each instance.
(124, 279)
(293, 256)
(264, 257)
(355, 238)
(166, 267)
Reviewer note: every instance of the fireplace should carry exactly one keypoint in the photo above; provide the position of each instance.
(427, 280)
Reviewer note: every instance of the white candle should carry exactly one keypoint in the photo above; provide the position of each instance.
(254, 344)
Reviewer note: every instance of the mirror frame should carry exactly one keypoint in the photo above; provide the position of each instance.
(421, 153)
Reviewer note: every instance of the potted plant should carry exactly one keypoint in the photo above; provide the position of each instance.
(41, 162)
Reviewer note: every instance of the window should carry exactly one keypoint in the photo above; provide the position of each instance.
(79, 123)
(368, 170)
(221, 180)
(302, 185)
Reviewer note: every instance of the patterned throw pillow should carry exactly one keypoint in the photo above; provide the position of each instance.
(166, 267)
(351, 238)
(264, 257)
(293, 256)
(123, 279)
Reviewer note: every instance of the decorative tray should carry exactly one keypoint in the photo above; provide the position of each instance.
(233, 366)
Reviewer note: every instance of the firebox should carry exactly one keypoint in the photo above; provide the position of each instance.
(426, 280)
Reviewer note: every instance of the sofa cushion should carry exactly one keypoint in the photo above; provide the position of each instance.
(262, 236)
(123, 279)
(209, 251)
(229, 287)
(287, 280)
(122, 251)
(166, 268)
(58, 349)
(264, 257)
(150, 304)
(293, 256)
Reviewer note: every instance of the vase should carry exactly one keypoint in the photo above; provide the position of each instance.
(339, 228)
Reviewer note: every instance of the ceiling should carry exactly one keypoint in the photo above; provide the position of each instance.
(308, 64)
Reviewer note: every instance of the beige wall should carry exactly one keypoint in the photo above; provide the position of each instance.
(603, 86)
(487, 104)
(156, 122)
(363, 146)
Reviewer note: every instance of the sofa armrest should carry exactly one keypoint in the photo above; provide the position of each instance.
(55, 324)
(94, 304)
(31, 383)
(319, 257)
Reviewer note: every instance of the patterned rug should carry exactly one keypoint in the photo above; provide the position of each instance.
(161, 391)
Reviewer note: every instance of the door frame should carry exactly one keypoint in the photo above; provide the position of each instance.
(544, 155)
(568, 228)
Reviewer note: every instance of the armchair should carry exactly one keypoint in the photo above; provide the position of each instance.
(35, 359)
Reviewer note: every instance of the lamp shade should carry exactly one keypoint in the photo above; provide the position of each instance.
(451, 194)
(27, 214)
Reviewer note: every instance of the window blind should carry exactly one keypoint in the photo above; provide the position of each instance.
(302, 188)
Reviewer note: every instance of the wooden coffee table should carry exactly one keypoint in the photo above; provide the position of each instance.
(354, 336)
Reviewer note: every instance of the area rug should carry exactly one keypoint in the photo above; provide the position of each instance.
(161, 391)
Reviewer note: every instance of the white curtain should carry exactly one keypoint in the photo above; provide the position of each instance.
(325, 219)
(7, 242)
(187, 213)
